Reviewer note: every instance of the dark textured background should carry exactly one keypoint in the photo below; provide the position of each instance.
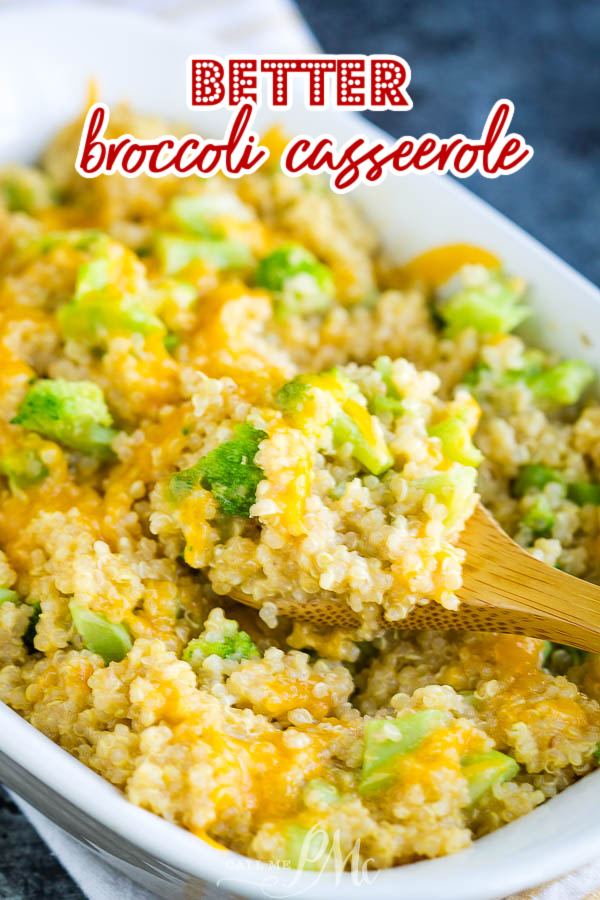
(544, 55)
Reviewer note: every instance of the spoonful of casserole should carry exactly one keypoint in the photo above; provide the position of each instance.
(504, 589)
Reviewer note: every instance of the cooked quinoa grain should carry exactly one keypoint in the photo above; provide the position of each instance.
(213, 391)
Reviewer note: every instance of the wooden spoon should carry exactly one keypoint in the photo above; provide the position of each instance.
(504, 589)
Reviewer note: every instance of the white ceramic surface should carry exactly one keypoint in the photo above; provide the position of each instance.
(46, 57)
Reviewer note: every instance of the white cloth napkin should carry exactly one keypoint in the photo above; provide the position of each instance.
(261, 26)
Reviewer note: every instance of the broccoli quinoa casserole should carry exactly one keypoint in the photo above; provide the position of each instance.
(214, 390)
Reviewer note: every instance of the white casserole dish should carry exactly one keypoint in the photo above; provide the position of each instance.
(46, 57)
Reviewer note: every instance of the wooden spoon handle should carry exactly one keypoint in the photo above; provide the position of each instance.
(506, 589)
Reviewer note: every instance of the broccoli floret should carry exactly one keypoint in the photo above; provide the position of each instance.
(112, 641)
(481, 373)
(454, 488)
(94, 316)
(200, 212)
(31, 247)
(25, 190)
(352, 424)
(472, 377)
(300, 284)
(8, 596)
(228, 471)
(540, 517)
(175, 252)
(383, 404)
(363, 432)
(227, 641)
(559, 658)
(457, 445)
(170, 292)
(485, 301)
(23, 468)
(171, 342)
(291, 396)
(99, 308)
(584, 492)
(389, 740)
(307, 848)
(31, 630)
(534, 476)
(319, 794)
(391, 401)
(562, 384)
(92, 276)
(169, 298)
(484, 770)
(73, 413)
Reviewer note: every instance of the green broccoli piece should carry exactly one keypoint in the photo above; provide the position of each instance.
(25, 190)
(388, 740)
(457, 445)
(23, 468)
(563, 383)
(200, 212)
(173, 291)
(470, 698)
(489, 303)
(95, 315)
(309, 848)
(383, 365)
(454, 488)
(228, 471)
(175, 252)
(8, 596)
(367, 441)
(383, 404)
(391, 401)
(109, 640)
(534, 476)
(73, 413)
(290, 398)
(559, 658)
(30, 247)
(584, 492)
(171, 342)
(98, 308)
(353, 423)
(484, 770)
(540, 517)
(300, 284)
(319, 794)
(533, 364)
(230, 644)
(472, 378)
(31, 630)
(92, 276)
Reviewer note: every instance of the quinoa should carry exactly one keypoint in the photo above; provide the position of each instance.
(278, 413)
